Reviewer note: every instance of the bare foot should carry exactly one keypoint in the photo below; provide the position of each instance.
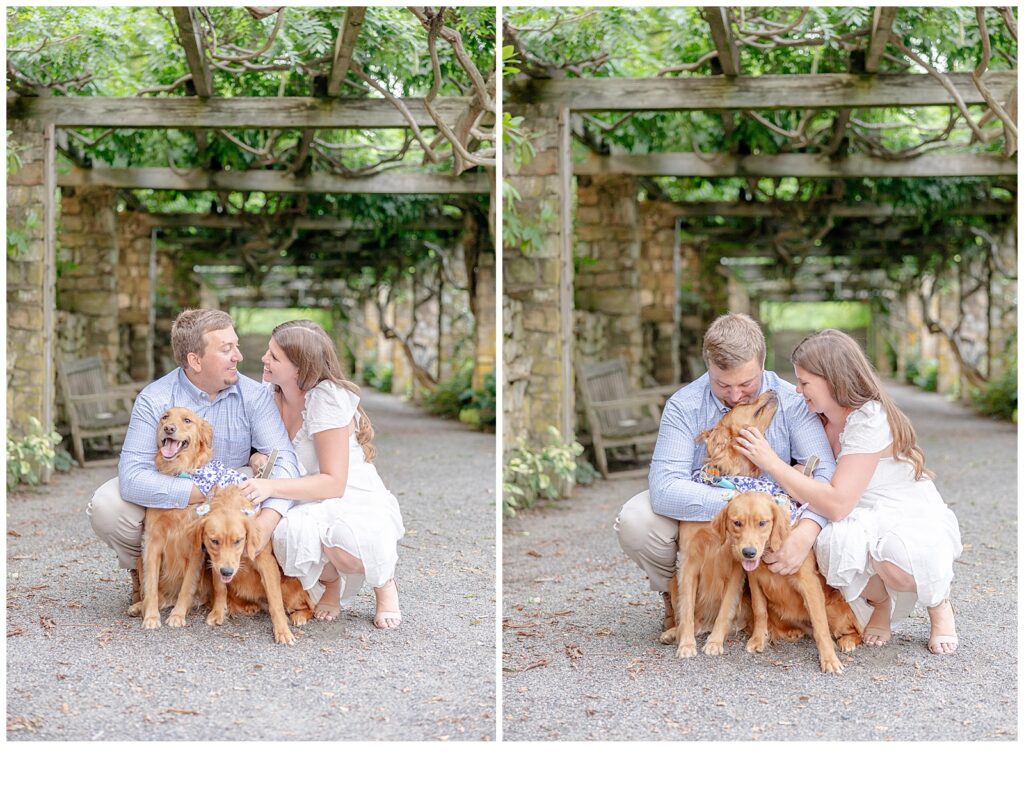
(388, 615)
(877, 632)
(329, 606)
(943, 639)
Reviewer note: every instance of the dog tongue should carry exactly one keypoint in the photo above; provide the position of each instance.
(170, 448)
(749, 564)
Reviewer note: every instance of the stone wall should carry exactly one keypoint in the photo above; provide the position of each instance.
(135, 297)
(607, 254)
(660, 275)
(27, 367)
(88, 266)
(534, 390)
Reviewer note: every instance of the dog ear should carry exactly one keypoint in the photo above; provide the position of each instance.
(252, 537)
(780, 526)
(205, 443)
(702, 437)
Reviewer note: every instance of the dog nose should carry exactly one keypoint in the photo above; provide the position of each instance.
(749, 552)
(227, 571)
(169, 429)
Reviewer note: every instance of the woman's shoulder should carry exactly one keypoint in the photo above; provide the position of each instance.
(867, 428)
(328, 399)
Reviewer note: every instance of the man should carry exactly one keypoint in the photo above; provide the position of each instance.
(243, 416)
(648, 524)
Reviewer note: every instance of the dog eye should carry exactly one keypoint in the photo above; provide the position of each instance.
(762, 523)
(188, 421)
(737, 523)
(215, 542)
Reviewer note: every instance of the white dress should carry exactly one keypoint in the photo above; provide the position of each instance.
(897, 519)
(365, 521)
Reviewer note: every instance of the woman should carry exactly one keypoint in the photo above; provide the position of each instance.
(346, 525)
(890, 530)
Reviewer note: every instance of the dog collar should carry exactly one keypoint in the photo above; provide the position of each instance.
(186, 475)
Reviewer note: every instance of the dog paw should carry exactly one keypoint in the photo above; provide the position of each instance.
(300, 617)
(686, 649)
(830, 664)
(176, 620)
(284, 637)
(151, 622)
(713, 648)
(847, 643)
(135, 609)
(215, 617)
(668, 637)
(756, 644)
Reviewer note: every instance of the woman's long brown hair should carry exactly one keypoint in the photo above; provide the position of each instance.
(308, 346)
(836, 357)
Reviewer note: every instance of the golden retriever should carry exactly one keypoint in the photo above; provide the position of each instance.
(172, 558)
(754, 522)
(239, 584)
(705, 567)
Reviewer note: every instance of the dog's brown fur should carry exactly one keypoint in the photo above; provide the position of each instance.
(754, 522)
(239, 584)
(172, 558)
(705, 568)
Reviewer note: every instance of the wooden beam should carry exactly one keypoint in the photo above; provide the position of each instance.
(344, 46)
(798, 165)
(273, 181)
(718, 21)
(231, 112)
(881, 27)
(758, 92)
(803, 210)
(192, 42)
(232, 222)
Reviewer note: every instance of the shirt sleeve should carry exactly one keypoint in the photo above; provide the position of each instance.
(138, 479)
(867, 430)
(328, 407)
(673, 492)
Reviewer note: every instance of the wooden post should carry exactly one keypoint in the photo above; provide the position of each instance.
(565, 284)
(49, 271)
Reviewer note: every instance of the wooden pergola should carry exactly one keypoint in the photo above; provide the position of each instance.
(464, 119)
(730, 92)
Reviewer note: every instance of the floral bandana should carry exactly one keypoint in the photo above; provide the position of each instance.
(709, 475)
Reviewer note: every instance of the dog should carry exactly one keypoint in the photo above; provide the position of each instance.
(172, 560)
(705, 569)
(754, 522)
(241, 585)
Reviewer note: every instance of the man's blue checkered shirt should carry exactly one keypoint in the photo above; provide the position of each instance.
(243, 416)
(795, 434)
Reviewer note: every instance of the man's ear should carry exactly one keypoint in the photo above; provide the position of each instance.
(194, 362)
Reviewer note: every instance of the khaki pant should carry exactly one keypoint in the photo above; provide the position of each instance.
(649, 539)
(117, 523)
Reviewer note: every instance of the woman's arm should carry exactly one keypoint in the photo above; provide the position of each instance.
(834, 500)
(332, 457)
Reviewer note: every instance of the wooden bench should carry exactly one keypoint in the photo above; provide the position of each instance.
(618, 414)
(95, 408)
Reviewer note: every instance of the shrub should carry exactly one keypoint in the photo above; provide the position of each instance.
(378, 375)
(30, 459)
(550, 473)
(999, 397)
(481, 407)
(445, 399)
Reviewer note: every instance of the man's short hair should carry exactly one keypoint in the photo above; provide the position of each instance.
(189, 328)
(733, 340)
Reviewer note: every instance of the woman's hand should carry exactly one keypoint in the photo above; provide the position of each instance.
(752, 443)
(256, 461)
(257, 490)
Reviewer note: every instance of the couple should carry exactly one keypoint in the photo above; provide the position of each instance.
(332, 521)
(881, 532)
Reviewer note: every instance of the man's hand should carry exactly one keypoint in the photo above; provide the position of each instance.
(794, 550)
(266, 521)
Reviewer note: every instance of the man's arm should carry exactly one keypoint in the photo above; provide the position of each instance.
(138, 479)
(673, 492)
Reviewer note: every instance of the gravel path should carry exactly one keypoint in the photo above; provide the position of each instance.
(582, 662)
(79, 669)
